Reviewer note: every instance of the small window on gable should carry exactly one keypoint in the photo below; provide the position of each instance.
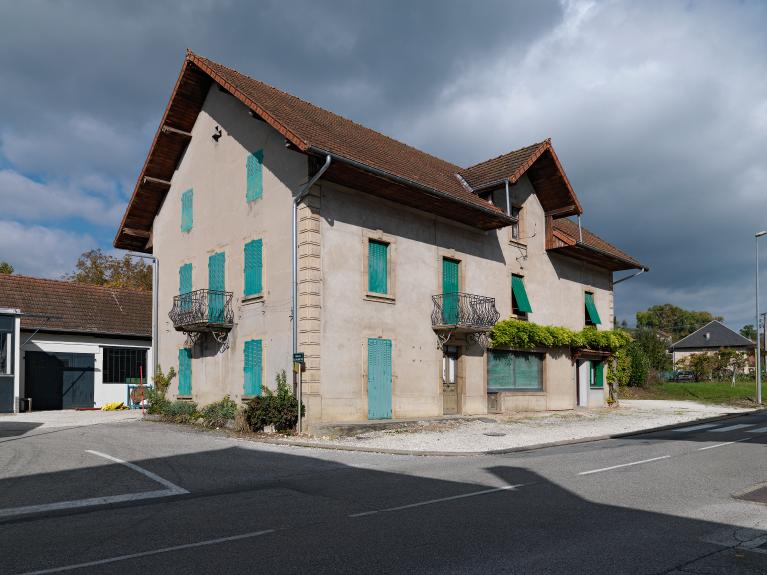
(378, 267)
(520, 304)
(254, 173)
(515, 227)
(187, 214)
(592, 316)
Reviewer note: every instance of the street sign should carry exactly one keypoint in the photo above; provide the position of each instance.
(298, 357)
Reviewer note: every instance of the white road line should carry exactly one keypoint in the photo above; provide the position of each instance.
(759, 430)
(723, 444)
(732, 427)
(623, 465)
(148, 553)
(153, 476)
(695, 427)
(440, 500)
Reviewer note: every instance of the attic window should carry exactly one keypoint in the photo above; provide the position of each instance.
(707, 336)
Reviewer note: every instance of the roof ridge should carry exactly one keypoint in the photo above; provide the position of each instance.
(85, 285)
(528, 147)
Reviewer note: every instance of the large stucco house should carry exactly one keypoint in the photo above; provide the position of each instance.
(402, 261)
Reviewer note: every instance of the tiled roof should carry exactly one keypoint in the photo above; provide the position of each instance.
(713, 335)
(591, 240)
(77, 307)
(497, 169)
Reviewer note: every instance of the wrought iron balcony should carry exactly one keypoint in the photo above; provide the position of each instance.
(463, 311)
(202, 310)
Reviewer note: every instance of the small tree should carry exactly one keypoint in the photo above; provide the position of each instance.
(701, 365)
(748, 331)
(96, 267)
(6, 268)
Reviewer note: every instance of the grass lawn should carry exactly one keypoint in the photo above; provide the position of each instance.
(715, 392)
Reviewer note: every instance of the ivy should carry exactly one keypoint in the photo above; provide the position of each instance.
(528, 335)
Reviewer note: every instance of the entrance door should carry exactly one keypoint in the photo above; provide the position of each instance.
(583, 377)
(58, 380)
(450, 381)
(379, 378)
(450, 291)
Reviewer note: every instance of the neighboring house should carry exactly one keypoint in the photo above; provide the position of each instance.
(66, 345)
(711, 338)
(404, 260)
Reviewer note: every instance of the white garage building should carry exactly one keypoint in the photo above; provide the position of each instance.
(66, 345)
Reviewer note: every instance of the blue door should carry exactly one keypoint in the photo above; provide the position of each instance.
(379, 378)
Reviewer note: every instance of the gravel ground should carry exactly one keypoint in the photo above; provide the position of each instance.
(70, 417)
(532, 428)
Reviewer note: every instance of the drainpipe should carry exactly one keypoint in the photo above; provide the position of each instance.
(294, 251)
(508, 201)
(641, 271)
(155, 296)
(580, 230)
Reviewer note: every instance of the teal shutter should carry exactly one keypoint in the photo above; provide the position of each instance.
(520, 294)
(216, 287)
(597, 373)
(253, 367)
(591, 309)
(449, 291)
(185, 371)
(379, 379)
(254, 267)
(500, 370)
(511, 371)
(254, 170)
(527, 371)
(187, 213)
(378, 256)
(185, 285)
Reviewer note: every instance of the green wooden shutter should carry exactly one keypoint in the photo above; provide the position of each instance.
(379, 378)
(378, 256)
(185, 371)
(216, 287)
(254, 267)
(187, 213)
(520, 294)
(185, 285)
(598, 373)
(527, 371)
(254, 170)
(450, 290)
(500, 370)
(591, 309)
(253, 367)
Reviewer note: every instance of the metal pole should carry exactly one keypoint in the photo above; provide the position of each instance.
(758, 338)
(300, 396)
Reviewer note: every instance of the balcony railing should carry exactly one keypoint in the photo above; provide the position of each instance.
(202, 310)
(464, 311)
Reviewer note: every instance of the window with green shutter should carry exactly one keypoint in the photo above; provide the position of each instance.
(253, 367)
(254, 173)
(216, 287)
(514, 371)
(185, 285)
(597, 374)
(185, 371)
(592, 316)
(254, 267)
(378, 267)
(187, 213)
(520, 305)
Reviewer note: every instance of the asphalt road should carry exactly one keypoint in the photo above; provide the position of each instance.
(140, 497)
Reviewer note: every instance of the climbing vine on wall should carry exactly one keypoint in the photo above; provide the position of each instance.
(528, 335)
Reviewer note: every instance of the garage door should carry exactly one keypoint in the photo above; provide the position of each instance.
(58, 380)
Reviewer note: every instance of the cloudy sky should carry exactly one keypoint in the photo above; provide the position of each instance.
(658, 111)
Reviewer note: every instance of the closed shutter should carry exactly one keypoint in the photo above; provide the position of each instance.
(598, 371)
(449, 291)
(253, 367)
(254, 267)
(520, 294)
(527, 371)
(216, 287)
(500, 370)
(254, 169)
(378, 254)
(591, 309)
(185, 371)
(379, 378)
(185, 286)
(512, 371)
(187, 214)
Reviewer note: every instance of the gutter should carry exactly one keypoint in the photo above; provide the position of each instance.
(409, 182)
(635, 265)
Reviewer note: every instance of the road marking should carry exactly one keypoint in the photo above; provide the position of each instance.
(759, 430)
(149, 553)
(440, 500)
(732, 427)
(723, 444)
(623, 465)
(170, 490)
(695, 427)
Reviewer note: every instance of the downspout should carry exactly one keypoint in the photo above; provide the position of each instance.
(640, 272)
(155, 306)
(294, 249)
(508, 201)
(580, 230)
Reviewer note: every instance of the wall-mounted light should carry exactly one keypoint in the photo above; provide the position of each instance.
(217, 133)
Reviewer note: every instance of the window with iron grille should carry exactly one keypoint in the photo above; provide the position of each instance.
(123, 363)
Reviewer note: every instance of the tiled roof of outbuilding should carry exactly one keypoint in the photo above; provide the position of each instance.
(72, 307)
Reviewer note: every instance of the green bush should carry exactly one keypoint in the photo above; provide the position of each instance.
(162, 381)
(528, 335)
(157, 403)
(218, 413)
(181, 411)
(279, 408)
(639, 364)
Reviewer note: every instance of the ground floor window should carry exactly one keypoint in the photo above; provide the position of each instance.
(124, 363)
(514, 371)
(597, 376)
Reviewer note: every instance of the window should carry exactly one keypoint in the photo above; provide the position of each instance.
(124, 363)
(5, 353)
(514, 371)
(378, 267)
(515, 227)
(253, 367)
(185, 285)
(254, 173)
(187, 215)
(185, 371)
(216, 287)
(597, 374)
(520, 305)
(592, 316)
(254, 267)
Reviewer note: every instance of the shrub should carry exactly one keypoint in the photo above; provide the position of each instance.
(639, 365)
(218, 413)
(157, 403)
(528, 335)
(279, 408)
(162, 381)
(181, 411)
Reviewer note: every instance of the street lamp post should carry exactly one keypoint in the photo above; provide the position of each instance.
(758, 342)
